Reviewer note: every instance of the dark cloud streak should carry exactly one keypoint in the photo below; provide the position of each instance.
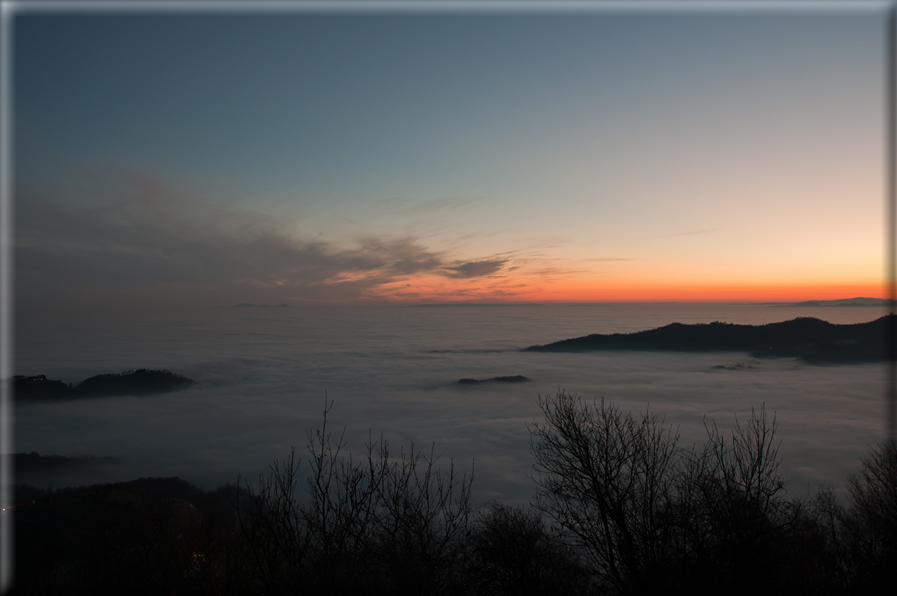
(476, 268)
(153, 238)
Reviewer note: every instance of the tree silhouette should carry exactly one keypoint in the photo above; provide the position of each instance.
(607, 478)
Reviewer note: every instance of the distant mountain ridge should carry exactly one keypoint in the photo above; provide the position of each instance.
(881, 302)
(810, 339)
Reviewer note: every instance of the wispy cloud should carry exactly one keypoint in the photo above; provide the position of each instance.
(431, 206)
(155, 234)
(475, 268)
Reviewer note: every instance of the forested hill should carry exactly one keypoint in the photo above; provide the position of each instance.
(807, 338)
(133, 382)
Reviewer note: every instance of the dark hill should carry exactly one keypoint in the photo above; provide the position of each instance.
(40, 386)
(134, 537)
(810, 339)
(512, 379)
(134, 382)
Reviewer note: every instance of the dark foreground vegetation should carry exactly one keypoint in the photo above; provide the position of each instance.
(132, 382)
(812, 340)
(620, 508)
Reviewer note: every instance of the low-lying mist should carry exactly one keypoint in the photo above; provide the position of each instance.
(262, 382)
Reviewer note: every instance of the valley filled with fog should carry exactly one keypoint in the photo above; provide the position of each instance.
(263, 375)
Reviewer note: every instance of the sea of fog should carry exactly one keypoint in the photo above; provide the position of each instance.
(263, 373)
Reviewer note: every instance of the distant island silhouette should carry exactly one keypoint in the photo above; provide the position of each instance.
(739, 366)
(511, 379)
(133, 382)
(879, 302)
(809, 339)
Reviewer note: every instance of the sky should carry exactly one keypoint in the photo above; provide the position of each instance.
(167, 161)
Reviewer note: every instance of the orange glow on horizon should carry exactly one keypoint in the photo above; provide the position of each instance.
(619, 291)
(718, 293)
(660, 291)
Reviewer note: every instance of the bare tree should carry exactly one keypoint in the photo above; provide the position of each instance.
(873, 492)
(341, 502)
(742, 471)
(608, 479)
(383, 525)
(871, 524)
(732, 515)
(422, 521)
(654, 517)
(272, 523)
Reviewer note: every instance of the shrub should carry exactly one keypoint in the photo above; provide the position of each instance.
(513, 552)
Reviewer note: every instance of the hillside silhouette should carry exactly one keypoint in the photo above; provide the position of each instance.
(134, 382)
(812, 340)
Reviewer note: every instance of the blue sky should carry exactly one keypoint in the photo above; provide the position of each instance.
(294, 157)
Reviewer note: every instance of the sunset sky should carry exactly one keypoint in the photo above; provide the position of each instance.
(170, 159)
